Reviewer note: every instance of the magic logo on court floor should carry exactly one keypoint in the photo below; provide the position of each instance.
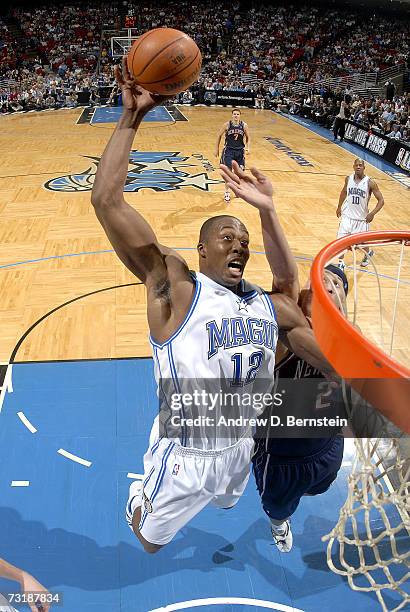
(160, 171)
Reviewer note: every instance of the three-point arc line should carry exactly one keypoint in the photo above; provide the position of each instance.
(75, 458)
(213, 601)
(26, 422)
(61, 451)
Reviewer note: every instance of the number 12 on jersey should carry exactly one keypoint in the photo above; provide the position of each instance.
(255, 362)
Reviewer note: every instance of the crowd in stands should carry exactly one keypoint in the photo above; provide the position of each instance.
(61, 53)
(55, 56)
(379, 115)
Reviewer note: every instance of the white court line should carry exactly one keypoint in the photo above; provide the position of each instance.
(20, 483)
(7, 384)
(169, 114)
(213, 601)
(8, 378)
(26, 422)
(177, 107)
(75, 458)
(135, 476)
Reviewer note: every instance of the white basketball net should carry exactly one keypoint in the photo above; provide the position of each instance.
(370, 544)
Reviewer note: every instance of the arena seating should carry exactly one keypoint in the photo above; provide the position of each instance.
(56, 56)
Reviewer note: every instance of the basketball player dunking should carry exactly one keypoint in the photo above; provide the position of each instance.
(353, 207)
(208, 325)
(286, 469)
(237, 141)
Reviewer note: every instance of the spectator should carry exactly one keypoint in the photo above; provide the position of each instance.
(395, 133)
(390, 89)
(340, 122)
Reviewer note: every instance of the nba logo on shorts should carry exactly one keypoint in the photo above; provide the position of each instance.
(175, 469)
(147, 503)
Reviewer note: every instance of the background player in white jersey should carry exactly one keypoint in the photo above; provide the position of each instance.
(208, 325)
(353, 207)
(237, 142)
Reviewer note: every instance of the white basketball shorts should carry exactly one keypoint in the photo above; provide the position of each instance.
(351, 226)
(179, 482)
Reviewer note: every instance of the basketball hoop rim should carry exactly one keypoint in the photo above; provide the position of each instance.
(356, 356)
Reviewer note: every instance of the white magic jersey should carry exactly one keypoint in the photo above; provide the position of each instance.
(356, 203)
(225, 352)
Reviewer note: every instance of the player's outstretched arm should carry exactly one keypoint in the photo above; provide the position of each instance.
(257, 190)
(163, 271)
(374, 188)
(131, 236)
(28, 583)
(296, 334)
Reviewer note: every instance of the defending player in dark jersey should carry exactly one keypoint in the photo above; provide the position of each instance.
(237, 142)
(287, 469)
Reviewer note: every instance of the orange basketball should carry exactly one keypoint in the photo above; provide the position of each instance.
(164, 61)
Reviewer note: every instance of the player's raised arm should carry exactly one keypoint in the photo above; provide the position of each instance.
(342, 197)
(374, 189)
(162, 270)
(131, 236)
(294, 332)
(257, 190)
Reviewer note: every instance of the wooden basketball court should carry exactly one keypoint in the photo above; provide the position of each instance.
(75, 431)
(53, 250)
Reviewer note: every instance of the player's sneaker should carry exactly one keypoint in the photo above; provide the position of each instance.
(134, 500)
(341, 265)
(227, 196)
(283, 537)
(366, 259)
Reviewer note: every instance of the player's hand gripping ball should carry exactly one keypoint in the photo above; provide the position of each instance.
(164, 61)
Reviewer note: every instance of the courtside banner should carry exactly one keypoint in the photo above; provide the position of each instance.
(393, 151)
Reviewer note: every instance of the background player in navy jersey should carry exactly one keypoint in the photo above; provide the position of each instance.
(208, 325)
(285, 469)
(237, 142)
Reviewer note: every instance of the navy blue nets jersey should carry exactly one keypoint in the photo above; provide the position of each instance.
(235, 135)
(288, 369)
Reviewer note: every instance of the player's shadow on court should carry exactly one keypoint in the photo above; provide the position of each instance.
(61, 558)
